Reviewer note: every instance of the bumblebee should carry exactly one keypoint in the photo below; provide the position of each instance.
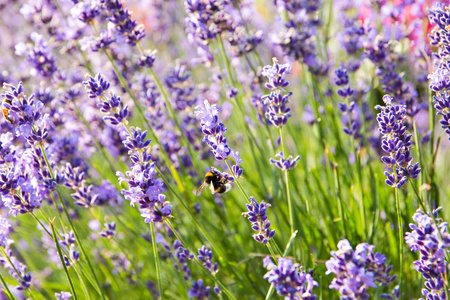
(5, 111)
(218, 182)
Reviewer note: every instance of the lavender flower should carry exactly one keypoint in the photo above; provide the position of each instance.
(84, 196)
(182, 91)
(63, 296)
(214, 131)
(440, 78)
(205, 256)
(107, 194)
(38, 55)
(442, 105)
(86, 11)
(242, 42)
(26, 114)
(348, 109)
(18, 178)
(257, 215)
(297, 40)
(397, 142)
(147, 58)
(115, 112)
(351, 36)
(275, 104)
(236, 168)
(15, 200)
(439, 16)
(289, 280)
(199, 290)
(119, 15)
(357, 270)
(38, 13)
(109, 231)
(5, 241)
(182, 256)
(432, 242)
(16, 269)
(198, 208)
(100, 42)
(206, 19)
(379, 50)
(96, 86)
(75, 179)
(69, 243)
(144, 188)
(285, 164)
(277, 111)
(122, 265)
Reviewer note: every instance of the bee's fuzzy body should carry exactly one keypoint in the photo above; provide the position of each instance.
(218, 184)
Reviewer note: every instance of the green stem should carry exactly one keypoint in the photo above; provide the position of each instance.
(270, 292)
(434, 193)
(286, 177)
(11, 263)
(10, 295)
(216, 280)
(156, 255)
(238, 183)
(77, 236)
(58, 247)
(400, 239)
(83, 285)
(271, 289)
(86, 294)
(422, 204)
(315, 104)
(339, 197)
(130, 258)
(60, 217)
(40, 223)
(358, 170)
(272, 253)
(172, 112)
(242, 189)
(48, 232)
(227, 61)
(75, 231)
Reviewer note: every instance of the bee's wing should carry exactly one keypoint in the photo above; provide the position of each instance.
(200, 189)
(212, 188)
(228, 187)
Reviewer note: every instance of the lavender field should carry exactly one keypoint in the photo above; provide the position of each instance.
(224, 149)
